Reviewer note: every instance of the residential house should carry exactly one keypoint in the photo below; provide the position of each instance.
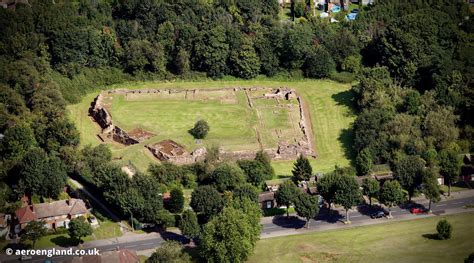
(467, 169)
(115, 256)
(54, 214)
(267, 200)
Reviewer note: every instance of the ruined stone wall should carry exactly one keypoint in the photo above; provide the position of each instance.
(282, 151)
(104, 119)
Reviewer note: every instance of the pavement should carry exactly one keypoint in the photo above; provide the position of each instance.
(277, 226)
(282, 226)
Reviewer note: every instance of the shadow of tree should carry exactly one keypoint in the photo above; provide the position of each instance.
(288, 222)
(346, 98)
(346, 137)
(65, 241)
(430, 236)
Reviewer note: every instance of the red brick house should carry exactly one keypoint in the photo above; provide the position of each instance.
(54, 214)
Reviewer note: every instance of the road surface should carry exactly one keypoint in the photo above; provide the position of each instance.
(278, 226)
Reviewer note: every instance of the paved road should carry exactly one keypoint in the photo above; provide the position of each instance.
(280, 226)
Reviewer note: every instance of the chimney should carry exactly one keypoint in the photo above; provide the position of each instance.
(69, 201)
(32, 207)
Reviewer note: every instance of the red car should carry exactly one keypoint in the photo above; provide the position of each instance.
(417, 210)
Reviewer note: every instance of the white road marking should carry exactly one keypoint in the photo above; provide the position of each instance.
(132, 246)
(457, 203)
(441, 205)
(355, 216)
(148, 244)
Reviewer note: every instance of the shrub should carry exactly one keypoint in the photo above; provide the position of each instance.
(342, 77)
(200, 129)
(444, 229)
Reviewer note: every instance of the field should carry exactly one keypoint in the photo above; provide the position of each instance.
(407, 241)
(329, 106)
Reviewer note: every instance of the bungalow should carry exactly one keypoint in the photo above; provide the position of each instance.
(54, 214)
(267, 200)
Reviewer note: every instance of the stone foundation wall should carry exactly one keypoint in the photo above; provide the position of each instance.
(282, 151)
(104, 119)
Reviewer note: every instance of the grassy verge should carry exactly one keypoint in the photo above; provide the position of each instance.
(408, 241)
(107, 229)
(330, 106)
(277, 211)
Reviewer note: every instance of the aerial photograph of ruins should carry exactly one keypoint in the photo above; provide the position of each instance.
(165, 131)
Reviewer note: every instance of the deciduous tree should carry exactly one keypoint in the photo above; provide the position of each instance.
(371, 188)
(33, 231)
(347, 193)
(390, 195)
(306, 206)
(286, 194)
(79, 228)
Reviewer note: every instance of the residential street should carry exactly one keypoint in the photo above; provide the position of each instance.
(281, 226)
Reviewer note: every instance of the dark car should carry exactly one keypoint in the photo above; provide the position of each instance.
(378, 214)
(355, 11)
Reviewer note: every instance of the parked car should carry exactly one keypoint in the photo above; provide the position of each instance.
(378, 214)
(417, 210)
(355, 11)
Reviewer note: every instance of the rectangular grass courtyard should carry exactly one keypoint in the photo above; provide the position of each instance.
(234, 125)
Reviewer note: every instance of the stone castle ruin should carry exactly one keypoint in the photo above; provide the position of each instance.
(171, 151)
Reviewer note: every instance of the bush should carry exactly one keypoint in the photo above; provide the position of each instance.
(444, 229)
(200, 129)
(342, 77)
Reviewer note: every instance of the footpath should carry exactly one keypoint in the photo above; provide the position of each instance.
(321, 225)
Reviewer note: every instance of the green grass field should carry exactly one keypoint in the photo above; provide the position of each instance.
(408, 241)
(330, 106)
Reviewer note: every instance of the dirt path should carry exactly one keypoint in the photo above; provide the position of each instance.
(309, 125)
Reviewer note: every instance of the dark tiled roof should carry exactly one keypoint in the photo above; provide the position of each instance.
(266, 196)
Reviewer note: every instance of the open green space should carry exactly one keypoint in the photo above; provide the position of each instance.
(106, 229)
(406, 241)
(329, 103)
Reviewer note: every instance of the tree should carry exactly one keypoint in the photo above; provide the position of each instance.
(182, 62)
(391, 194)
(245, 61)
(444, 229)
(227, 177)
(200, 129)
(207, 201)
(347, 193)
(17, 141)
(176, 203)
(371, 188)
(189, 225)
(450, 167)
(364, 162)
(327, 187)
(319, 64)
(263, 158)
(430, 186)
(33, 231)
(212, 52)
(246, 191)
(32, 170)
(164, 218)
(286, 194)
(306, 206)
(408, 171)
(169, 252)
(79, 227)
(255, 171)
(229, 237)
(302, 169)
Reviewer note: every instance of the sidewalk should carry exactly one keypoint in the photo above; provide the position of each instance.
(326, 227)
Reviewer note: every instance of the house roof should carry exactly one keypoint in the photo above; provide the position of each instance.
(116, 256)
(58, 208)
(266, 196)
(25, 214)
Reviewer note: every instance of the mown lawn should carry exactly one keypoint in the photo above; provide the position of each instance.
(107, 229)
(329, 102)
(408, 241)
